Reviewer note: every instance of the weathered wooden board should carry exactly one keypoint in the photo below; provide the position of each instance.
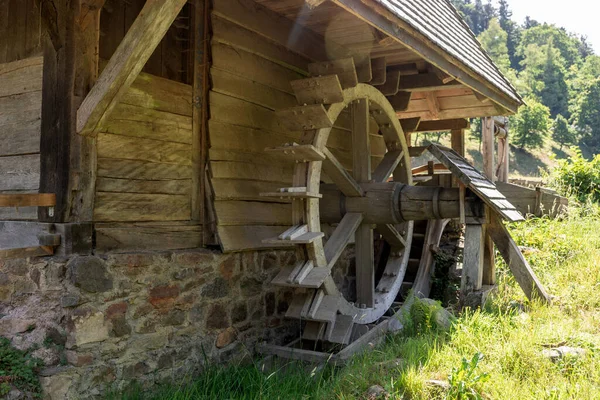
(21, 234)
(134, 121)
(247, 190)
(21, 76)
(20, 108)
(228, 32)
(139, 237)
(141, 207)
(239, 238)
(151, 92)
(475, 181)
(254, 67)
(171, 186)
(135, 169)
(252, 213)
(130, 148)
(240, 170)
(20, 172)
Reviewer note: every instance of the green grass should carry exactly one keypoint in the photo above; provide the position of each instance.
(510, 333)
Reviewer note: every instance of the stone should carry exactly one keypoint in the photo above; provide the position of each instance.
(12, 326)
(90, 329)
(270, 303)
(70, 300)
(198, 257)
(217, 317)
(4, 279)
(48, 355)
(79, 359)
(270, 261)
(15, 394)
(444, 385)
(135, 370)
(251, 286)
(115, 310)
(376, 392)
(440, 316)
(165, 361)
(56, 387)
(54, 336)
(217, 289)
(239, 313)
(119, 326)
(228, 267)
(561, 352)
(89, 273)
(163, 296)
(226, 337)
(173, 318)
(145, 343)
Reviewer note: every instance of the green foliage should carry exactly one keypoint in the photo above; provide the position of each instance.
(20, 368)
(465, 380)
(587, 115)
(547, 34)
(562, 132)
(578, 177)
(531, 124)
(494, 39)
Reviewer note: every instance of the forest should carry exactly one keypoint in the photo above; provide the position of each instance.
(555, 71)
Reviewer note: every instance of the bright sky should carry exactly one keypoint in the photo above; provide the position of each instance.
(578, 16)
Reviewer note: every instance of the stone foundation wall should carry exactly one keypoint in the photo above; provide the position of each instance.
(99, 323)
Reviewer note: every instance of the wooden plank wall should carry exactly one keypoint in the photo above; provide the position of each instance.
(20, 119)
(170, 60)
(251, 73)
(144, 167)
(20, 33)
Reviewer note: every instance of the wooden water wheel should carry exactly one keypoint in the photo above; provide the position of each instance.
(318, 300)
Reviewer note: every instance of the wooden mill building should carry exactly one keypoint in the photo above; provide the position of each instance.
(138, 201)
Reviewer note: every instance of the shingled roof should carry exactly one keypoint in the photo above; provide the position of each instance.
(440, 22)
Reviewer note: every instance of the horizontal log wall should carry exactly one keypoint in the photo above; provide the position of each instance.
(251, 74)
(20, 119)
(144, 167)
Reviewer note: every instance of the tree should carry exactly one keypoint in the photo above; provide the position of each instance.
(555, 93)
(587, 115)
(493, 39)
(512, 31)
(531, 123)
(562, 132)
(546, 34)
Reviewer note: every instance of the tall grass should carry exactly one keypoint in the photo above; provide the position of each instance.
(511, 332)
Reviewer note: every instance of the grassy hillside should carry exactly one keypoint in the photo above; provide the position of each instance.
(523, 163)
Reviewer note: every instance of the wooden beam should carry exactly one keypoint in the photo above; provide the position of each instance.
(442, 125)
(457, 139)
(433, 104)
(387, 166)
(425, 82)
(513, 257)
(139, 43)
(28, 200)
(472, 272)
(400, 101)
(410, 125)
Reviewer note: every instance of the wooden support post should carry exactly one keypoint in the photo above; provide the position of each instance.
(458, 141)
(489, 258)
(473, 256)
(487, 139)
(513, 257)
(201, 47)
(127, 62)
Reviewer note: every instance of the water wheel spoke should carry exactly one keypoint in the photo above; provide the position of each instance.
(365, 271)
(388, 165)
(341, 237)
(338, 174)
(392, 236)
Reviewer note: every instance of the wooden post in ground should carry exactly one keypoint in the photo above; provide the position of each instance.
(487, 137)
(473, 257)
(458, 141)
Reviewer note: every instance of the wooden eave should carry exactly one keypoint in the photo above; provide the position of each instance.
(382, 19)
